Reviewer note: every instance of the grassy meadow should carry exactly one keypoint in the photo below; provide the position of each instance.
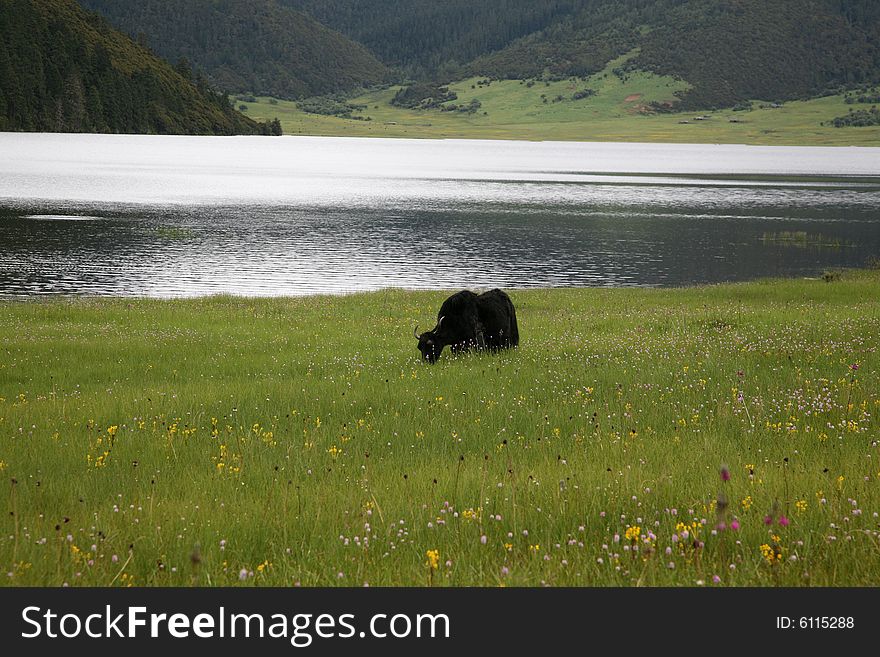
(618, 111)
(707, 436)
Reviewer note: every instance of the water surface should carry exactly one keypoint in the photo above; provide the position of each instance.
(181, 216)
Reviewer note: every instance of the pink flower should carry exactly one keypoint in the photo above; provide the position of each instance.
(725, 473)
(783, 521)
(768, 520)
(734, 525)
(483, 539)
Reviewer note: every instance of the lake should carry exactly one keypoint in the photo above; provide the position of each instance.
(131, 215)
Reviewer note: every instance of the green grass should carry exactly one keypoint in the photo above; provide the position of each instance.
(619, 111)
(300, 440)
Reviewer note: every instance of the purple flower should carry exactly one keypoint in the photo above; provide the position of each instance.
(242, 574)
(768, 520)
(783, 521)
(505, 571)
(734, 525)
(854, 367)
(725, 473)
(716, 579)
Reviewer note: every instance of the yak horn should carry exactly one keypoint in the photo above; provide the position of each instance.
(439, 322)
(416, 332)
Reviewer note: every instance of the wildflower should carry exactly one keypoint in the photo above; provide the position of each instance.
(783, 521)
(768, 520)
(505, 571)
(734, 525)
(433, 561)
(801, 505)
(632, 533)
(242, 574)
(716, 579)
(725, 473)
(483, 539)
(747, 503)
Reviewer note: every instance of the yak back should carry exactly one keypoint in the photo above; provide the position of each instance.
(498, 319)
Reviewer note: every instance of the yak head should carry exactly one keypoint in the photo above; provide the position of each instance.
(430, 343)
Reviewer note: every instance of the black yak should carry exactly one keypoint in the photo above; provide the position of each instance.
(471, 321)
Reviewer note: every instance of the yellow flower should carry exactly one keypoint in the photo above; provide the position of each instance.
(747, 503)
(801, 505)
(433, 561)
(773, 553)
(471, 514)
(632, 533)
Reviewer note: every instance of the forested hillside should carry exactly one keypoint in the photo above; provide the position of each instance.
(65, 69)
(775, 50)
(424, 36)
(728, 50)
(247, 45)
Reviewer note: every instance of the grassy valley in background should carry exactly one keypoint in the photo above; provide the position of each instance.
(727, 50)
(741, 71)
(614, 107)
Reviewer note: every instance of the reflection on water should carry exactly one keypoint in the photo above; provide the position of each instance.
(192, 216)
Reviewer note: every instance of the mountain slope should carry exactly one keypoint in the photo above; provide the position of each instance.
(423, 36)
(248, 45)
(780, 50)
(727, 50)
(65, 69)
